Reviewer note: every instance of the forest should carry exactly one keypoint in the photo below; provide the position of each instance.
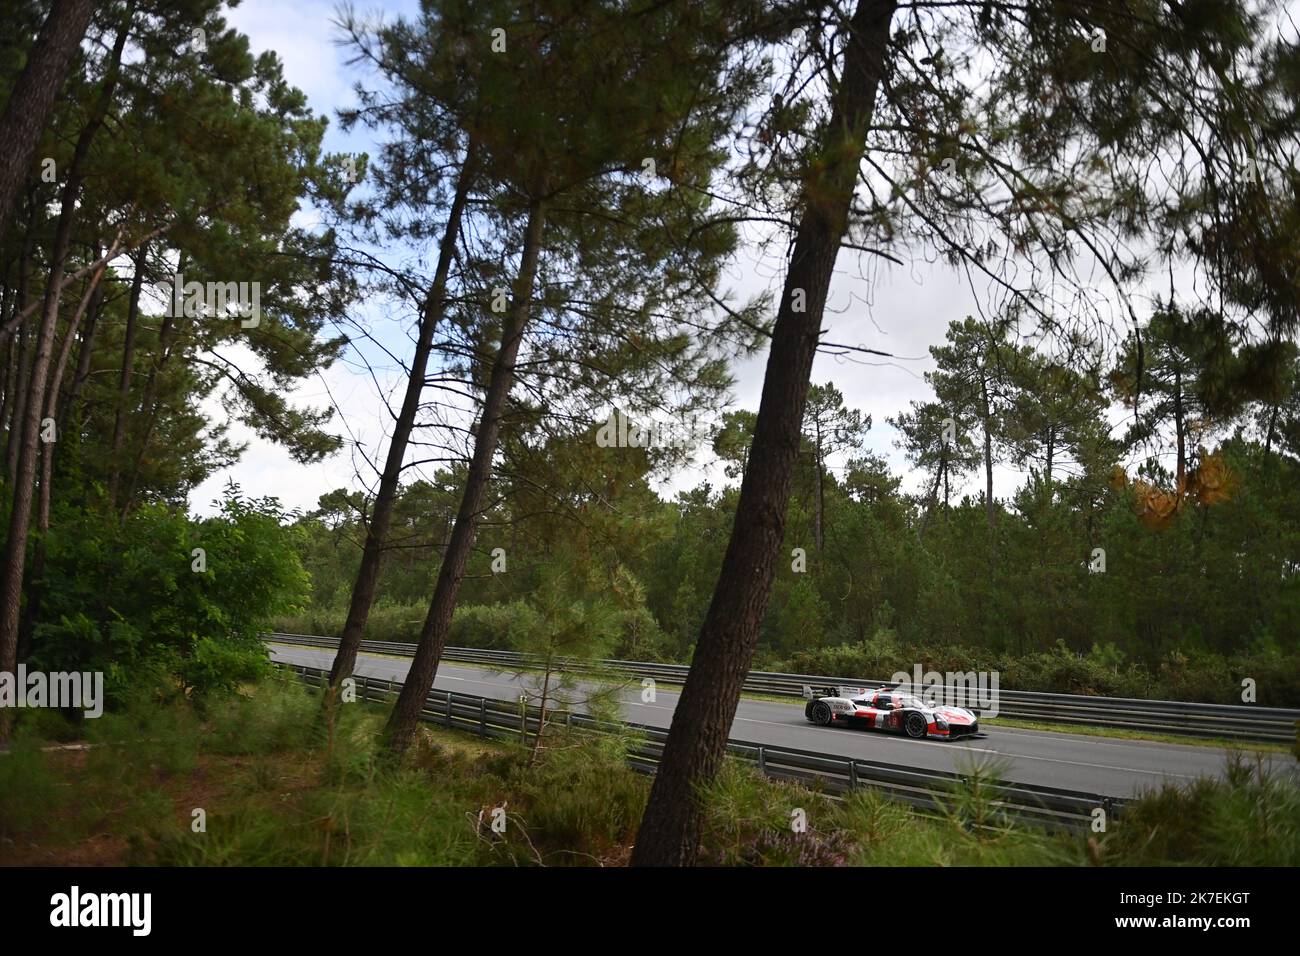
(534, 268)
(1188, 594)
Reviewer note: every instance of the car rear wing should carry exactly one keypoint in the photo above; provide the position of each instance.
(812, 693)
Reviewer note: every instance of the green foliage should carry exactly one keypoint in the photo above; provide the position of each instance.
(125, 598)
(1249, 817)
(276, 718)
(1187, 610)
(29, 791)
(512, 626)
(355, 812)
(579, 801)
(1204, 676)
(748, 821)
(279, 793)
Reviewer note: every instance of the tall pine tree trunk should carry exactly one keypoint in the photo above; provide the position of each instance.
(1051, 455)
(670, 828)
(819, 537)
(29, 106)
(85, 353)
(14, 560)
(124, 376)
(150, 406)
(26, 431)
(367, 579)
(437, 623)
(932, 498)
(987, 414)
(1180, 431)
(22, 367)
(6, 385)
(52, 396)
(45, 485)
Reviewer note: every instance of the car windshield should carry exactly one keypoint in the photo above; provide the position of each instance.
(910, 702)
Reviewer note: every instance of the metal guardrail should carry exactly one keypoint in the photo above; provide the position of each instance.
(1230, 721)
(930, 791)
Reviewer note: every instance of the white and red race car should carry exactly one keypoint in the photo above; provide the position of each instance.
(888, 709)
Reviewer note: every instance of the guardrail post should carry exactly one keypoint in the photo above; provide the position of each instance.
(449, 697)
(853, 774)
(762, 762)
(482, 716)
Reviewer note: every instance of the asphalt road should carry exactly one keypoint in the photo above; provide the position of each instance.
(1107, 766)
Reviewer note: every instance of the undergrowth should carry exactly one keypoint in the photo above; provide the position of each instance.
(256, 778)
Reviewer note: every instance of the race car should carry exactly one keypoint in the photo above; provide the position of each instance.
(889, 709)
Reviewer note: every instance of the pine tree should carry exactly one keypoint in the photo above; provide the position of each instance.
(829, 428)
(1053, 151)
(669, 832)
(30, 102)
(642, 83)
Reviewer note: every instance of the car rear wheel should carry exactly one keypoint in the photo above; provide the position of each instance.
(915, 725)
(821, 713)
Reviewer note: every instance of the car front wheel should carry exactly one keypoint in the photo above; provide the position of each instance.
(916, 726)
(821, 713)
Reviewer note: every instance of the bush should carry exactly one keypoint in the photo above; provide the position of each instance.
(287, 795)
(747, 817)
(496, 627)
(279, 715)
(1248, 817)
(579, 803)
(129, 598)
(28, 791)
(640, 637)
(1192, 676)
(487, 626)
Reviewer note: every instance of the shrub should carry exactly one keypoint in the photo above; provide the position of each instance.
(747, 817)
(496, 627)
(125, 598)
(1192, 675)
(28, 791)
(1248, 817)
(279, 715)
(577, 803)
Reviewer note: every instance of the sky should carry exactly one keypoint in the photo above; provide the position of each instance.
(902, 310)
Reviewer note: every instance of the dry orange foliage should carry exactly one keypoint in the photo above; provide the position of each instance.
(1209, 483)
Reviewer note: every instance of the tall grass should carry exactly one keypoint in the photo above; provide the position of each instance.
(276, 790)
(29, 790)
(1248, 817)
